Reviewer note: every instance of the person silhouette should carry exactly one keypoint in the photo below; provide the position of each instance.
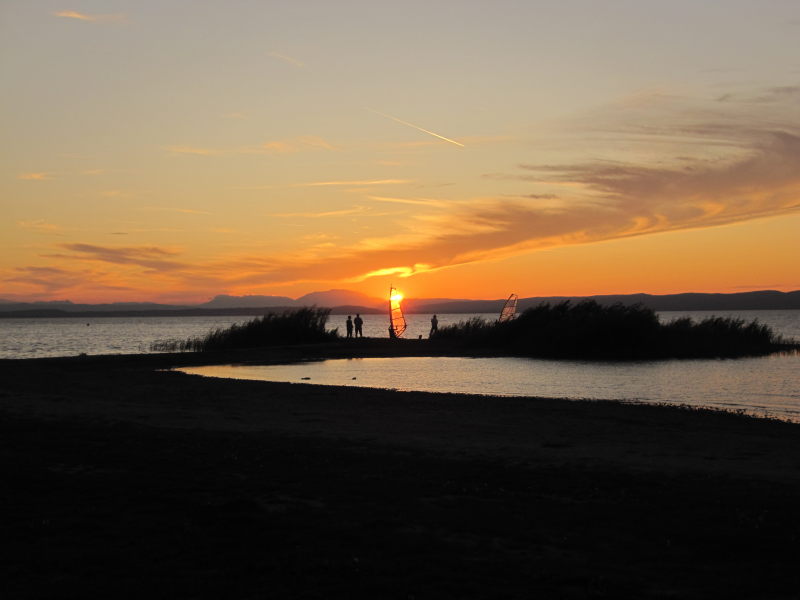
(349, 326)
(358, 322)
(434, 325)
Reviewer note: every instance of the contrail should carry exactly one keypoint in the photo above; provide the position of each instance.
(441, 137)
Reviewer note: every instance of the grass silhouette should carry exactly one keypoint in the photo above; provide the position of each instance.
(590, 330)
(303, 325)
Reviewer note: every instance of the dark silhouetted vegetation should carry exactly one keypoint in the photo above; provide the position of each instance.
(590, 330)
(300, 326)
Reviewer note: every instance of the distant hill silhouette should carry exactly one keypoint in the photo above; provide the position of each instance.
(346, 302)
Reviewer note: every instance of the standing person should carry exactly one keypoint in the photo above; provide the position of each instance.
(434, 326)
(349, 326)
(358, 322)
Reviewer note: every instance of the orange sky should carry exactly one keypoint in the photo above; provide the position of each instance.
(155, 154)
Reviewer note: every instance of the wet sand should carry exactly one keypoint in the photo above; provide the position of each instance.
(122, 480)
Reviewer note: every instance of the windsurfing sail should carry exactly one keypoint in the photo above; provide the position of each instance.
(509, 309)
(397, 322)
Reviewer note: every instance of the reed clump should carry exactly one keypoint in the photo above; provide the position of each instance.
(300, 326)
(590, 330)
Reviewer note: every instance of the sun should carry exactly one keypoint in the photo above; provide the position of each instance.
(396, 297)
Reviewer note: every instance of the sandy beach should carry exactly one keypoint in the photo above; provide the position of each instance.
(122, 479)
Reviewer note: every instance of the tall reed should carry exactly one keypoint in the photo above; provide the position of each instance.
(302, 325)
(590, 330)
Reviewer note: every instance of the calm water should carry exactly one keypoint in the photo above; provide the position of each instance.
(768, 386)
(34, 338)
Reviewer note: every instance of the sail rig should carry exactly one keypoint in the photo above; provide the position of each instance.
(397, 322)
(509, 309)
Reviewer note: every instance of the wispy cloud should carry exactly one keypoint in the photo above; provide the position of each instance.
(751, 173)
(287, 146)
(353, 183)
(401, 272)
(185, 211)
(287, 59)
(331, 213)
(298, 144)
(34, 176)
(151, 257)
(708, 164)
(43, 281)
(71, 14)
(429, 202)
(39, 225)
(192, 150)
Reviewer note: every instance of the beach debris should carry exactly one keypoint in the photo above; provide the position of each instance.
(305, 378)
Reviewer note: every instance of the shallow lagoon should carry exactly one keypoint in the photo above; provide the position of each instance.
(764, 386)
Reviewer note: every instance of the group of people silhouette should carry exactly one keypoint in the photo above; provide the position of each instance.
(358, 323)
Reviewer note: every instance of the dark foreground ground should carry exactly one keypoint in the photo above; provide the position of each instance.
(121, 481)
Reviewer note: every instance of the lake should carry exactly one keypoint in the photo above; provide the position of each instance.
(759, 386)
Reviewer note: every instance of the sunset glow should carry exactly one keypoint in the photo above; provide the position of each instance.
(155, 154)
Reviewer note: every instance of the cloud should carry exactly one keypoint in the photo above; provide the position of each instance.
(398, 271)
(51, 280)
(707, 164)
(705, 167)
(287, 146)
(541, 196)
(184, 211)
(287, 59)
(331, 213)
(764, 182)
(71, 14)
(354, 183)
(34, 176)
(192, 150)
(150, 257)
(350, 182)
(39, 226)
(429, 202)
(777, 94)
(298, 144)
(320, 237)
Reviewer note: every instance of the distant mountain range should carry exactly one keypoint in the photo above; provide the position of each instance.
(346, 301)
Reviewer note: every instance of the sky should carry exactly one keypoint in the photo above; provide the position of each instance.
(174, 150)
